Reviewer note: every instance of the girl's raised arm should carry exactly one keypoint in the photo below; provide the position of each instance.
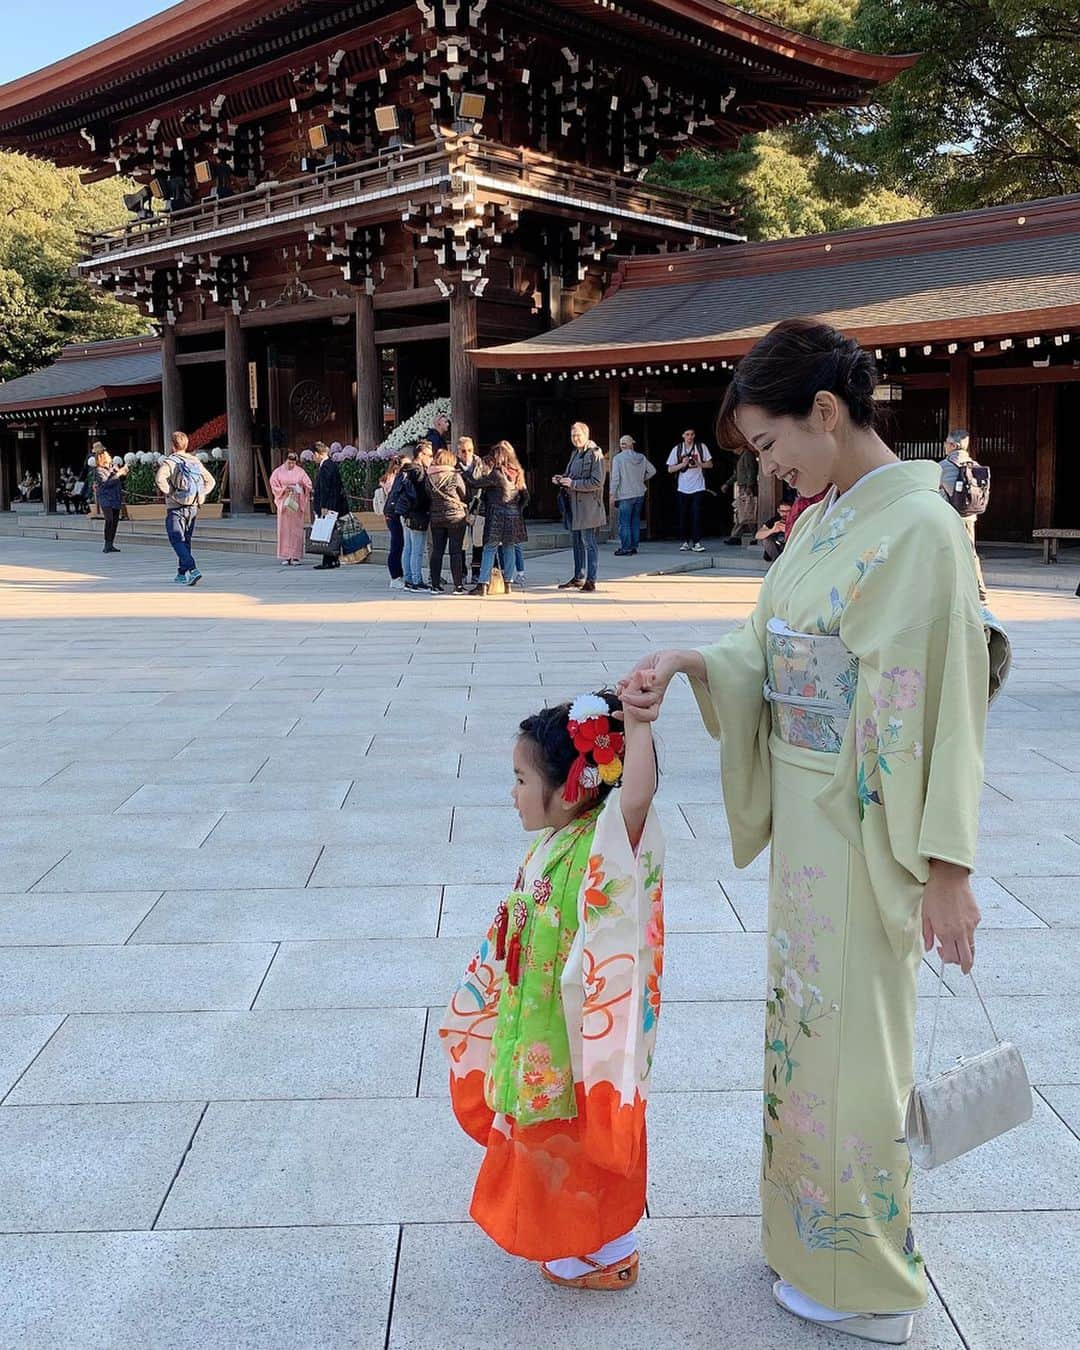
(639, 774)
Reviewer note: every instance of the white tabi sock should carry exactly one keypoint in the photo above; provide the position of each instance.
(802, 1305)
(569, 1267)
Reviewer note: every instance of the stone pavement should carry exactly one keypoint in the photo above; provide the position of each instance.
(251, 831)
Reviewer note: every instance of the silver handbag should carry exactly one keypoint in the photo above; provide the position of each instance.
(969, 1104)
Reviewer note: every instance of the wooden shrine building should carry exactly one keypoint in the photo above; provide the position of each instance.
(337, 199)
(974, 318)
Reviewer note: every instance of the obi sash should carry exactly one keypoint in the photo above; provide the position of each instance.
(810, 686)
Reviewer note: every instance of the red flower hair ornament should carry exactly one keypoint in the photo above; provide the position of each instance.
(599, 747)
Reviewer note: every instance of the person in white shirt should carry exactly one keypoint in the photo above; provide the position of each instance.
(690, 460)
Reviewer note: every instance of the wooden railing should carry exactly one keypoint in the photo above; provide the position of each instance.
(393, 171)
(599, 188)
(537, 175)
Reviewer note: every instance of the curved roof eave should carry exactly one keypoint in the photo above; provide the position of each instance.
(732, 22)
(195, 20)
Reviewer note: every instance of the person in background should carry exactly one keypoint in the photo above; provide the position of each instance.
(630, 475)
(411, 501)
(184, 483)
(468, 462)
(65, 490)
(744, 480)
(329, 495)
(799, 506)
(690, 460)
(503, 483)
(393, 523)
(290, 487)
(439, 433)
(583, 481)
(773, 534)
(108, 475)
(956, 470)
(448, 496)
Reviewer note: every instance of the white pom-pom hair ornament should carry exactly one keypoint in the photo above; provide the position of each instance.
(586, 706)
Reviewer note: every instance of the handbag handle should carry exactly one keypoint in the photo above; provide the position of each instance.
(937, 1011)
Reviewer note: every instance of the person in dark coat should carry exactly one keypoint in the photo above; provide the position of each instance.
(329, 495)
(448, 497)
(505, 497)
(108, 476)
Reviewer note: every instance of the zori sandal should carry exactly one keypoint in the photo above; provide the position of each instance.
(619, 1275)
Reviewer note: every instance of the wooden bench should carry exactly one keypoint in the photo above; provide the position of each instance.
(1050, 540)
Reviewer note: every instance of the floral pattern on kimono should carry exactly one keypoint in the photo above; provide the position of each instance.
(563, 1175)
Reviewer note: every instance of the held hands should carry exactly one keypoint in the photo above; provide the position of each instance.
(950, 914)
(642, 690)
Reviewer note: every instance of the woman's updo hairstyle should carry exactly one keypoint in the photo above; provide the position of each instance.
(785, 369)
(552, 749)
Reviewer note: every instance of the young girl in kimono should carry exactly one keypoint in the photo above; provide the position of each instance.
(851, 712)
(550, 1033)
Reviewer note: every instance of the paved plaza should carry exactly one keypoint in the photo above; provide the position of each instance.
(250, 832)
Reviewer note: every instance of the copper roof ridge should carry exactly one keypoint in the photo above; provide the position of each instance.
(1048, 215)
(188, 19)
(125, 346)
(729, 19)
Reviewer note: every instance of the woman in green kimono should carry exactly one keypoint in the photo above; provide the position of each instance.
(851, 711)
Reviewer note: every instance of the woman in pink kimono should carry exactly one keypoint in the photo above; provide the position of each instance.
(290, 487)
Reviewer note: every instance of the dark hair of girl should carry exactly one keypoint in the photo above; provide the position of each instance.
(552, 749)
(785, 369)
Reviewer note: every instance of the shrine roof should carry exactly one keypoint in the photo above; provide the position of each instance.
(88, 373)
(979, 274)
(198, 43)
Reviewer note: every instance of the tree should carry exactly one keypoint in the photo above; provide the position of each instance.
(781, 187)
(793, 181)
(42, 306)
(989, 114)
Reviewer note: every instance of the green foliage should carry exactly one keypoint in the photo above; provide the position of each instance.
(825, 19)
(781, 187)
(989, 114)
(41, 305)
(140, 488)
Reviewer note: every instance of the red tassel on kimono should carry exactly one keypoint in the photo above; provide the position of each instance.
(502, 923)
(513, 955)
(513, 960)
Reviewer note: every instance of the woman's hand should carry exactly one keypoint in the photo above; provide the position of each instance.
(950, 914)
(643, 689)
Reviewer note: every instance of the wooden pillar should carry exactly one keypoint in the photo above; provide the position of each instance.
(1045, 456)
(767, 496)
(155, 431)
(48, 471)
(172, 389)
(960, 389)
(614, 431)
(464, 380)
(238, 414)
(369, 400)
(6, 467)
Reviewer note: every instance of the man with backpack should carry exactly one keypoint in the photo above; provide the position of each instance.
(965, 485)
(185, 485)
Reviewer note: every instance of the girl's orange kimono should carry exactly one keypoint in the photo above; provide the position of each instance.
(550, 1039)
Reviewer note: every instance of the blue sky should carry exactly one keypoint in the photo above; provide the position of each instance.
(38, 32)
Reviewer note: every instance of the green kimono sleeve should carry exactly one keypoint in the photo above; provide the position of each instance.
(734, 710)
(909, 775)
